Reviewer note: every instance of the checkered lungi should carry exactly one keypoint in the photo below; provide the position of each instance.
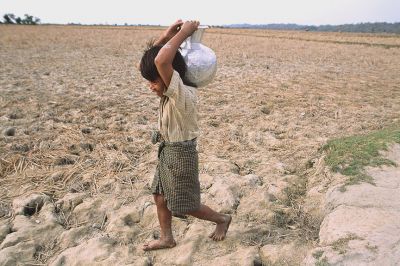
(177, 176)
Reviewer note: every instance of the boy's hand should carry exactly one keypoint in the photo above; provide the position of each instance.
(189, 27)
(173, 29)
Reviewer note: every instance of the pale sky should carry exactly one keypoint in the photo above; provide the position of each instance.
(208, 12)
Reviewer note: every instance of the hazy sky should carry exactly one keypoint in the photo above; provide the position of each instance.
(209, 12)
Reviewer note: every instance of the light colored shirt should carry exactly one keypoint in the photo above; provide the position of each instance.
(178, 112)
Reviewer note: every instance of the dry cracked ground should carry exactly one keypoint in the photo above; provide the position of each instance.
(76, 158)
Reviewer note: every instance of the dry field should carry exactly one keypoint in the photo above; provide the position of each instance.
(76, 116)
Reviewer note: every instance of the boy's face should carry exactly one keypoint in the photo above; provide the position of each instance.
(157, 86)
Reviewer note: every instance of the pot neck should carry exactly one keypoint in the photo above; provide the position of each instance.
(197, 35)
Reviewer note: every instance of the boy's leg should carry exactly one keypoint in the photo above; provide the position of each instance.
(222, 220)
(164, 217)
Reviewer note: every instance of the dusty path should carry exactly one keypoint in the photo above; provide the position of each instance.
(76, 159)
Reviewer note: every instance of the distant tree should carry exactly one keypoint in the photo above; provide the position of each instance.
(28, 19)
(12, 19)
(9, 18)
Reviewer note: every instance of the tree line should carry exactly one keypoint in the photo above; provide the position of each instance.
(360, 27)
(26, 20)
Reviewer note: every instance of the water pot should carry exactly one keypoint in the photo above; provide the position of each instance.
(200, 60)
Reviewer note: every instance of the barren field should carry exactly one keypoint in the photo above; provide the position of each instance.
(76, 157)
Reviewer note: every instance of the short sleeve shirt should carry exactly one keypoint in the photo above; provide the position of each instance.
(178, 112)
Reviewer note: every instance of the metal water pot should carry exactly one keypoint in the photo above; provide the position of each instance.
(200, 60)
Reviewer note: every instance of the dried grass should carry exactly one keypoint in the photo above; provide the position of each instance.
(83, 114)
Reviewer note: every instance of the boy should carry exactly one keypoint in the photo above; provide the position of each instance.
(176, 187)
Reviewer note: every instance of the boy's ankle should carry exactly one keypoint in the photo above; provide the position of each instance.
(167, 238)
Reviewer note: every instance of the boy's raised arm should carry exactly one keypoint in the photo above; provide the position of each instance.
(169, 33)
(167, 53)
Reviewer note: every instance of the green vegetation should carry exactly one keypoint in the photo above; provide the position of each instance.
(341, 245)
(350, 155)
(28, 20)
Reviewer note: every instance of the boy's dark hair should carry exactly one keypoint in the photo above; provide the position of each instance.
(149, 70)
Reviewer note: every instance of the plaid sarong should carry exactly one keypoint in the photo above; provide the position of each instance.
(177, 176)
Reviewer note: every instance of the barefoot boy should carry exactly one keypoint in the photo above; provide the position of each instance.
(176, 187)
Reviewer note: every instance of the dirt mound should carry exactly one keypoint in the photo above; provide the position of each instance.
(361, 226)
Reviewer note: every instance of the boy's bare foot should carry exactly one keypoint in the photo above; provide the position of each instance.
(159, 244)
(221, 229)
